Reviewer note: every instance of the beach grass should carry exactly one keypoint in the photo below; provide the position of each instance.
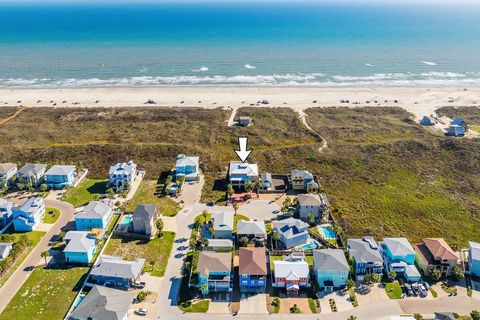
(148, 193)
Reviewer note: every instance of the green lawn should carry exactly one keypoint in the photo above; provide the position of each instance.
(88, 190)
(148, 193)
(199, 307)
(312, 305)
(47, 294)
(34, 237)
(51, 215)
(393, 290)
(156, 252)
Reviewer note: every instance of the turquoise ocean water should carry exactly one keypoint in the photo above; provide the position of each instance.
(251, 44)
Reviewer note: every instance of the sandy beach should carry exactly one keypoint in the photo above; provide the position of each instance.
(418, 101)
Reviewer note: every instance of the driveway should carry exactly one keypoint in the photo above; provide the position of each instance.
(253, 304)
(287, 302)
(18, 278)
(459, 304)
(220, 303)
(341, 301)
(153, 284)
(370, 294)
(259, 209)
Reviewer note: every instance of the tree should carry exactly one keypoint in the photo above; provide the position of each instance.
(352, 318)
(310, 218)
(243, 241)
(417, 316)
(350, 283)
(20, 186)
(159, 225)
(110, 193)
(205, 215)
(475, 315)
(392, 274)
(435, 274)
(286, 204)
(230, 190)
(45, 255)
(205, 241)
(43, 187)
(276, 237)
(457, 273)
(211, 230)
(204, 287)
(375, 277)
(235, 207)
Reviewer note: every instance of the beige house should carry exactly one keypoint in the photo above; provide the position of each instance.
(144, 219)
(435, 253)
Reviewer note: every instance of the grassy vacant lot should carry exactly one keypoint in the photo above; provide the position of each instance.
(51, 215)
(34, 237)
(393, 290)
(47, 294)
(86, 191)
(156, 252)
(198, 307)
(147, 193)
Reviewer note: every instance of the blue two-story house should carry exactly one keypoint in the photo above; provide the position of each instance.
(241, 172)
(80, 247)
(215, 272)
(95, 215)
(252, 269)
(474, 259)
(399, 256)
(29, 215)
(115, 272)
(6, 213)
(366, 257)
(60, 176)
(330, 268)
(187, 167)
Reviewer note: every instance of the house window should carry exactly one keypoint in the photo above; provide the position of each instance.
(260, 283)
(244, 283)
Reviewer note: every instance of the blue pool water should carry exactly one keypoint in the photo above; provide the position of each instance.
(328, 232)
(311, 245)
(127, 219)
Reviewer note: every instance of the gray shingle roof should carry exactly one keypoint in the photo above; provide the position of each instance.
(183, 160)
(290, 227)
(209, 261)
(145, 211)
(222, 221)
(95, 210)
(31, 169)
(78, 241)
(309, 200)
(399, 246)
(103, 303)
(121, 168)
(330, 259)
(5, 167)
(117, 267)
(364, 250)
(60, 170)
(250, 227)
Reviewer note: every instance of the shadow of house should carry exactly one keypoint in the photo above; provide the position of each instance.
(99, 187)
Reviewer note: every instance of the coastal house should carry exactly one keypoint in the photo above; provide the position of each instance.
(29, 215)
(223, 225)
(103, 303)
(292, 232)
(252, 269)
(244, 121)
(435, 253)
(241, 172)
(254, 230)
(144, 219)
(5, 248)
(80, 247)
(121, 175)
(300, 179)
(267, 181)
(474, 259)
(330, 268)
(187, 167)
(219, 244)
(428, 121)
(399, 256)
(459, 122)
(291, 273)
(7, 172)
(60, 176)
(95, 215)
(366, 257)
(32, 174)
(310, 204)
(6, 212)
(455, 131)
(215, 272)
(115, 272)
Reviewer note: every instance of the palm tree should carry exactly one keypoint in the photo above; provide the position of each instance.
(45, 255)
(276, 237)
(235, 207)
(205, 214)
(352, 318)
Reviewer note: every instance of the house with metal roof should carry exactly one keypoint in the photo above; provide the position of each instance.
(113, 271)
(5, 248)
(399, 256)
(253, 230)
(103, 303)
(241, 172)
(252, 269)
(215, 272)
(428, 121)
(292, 232)
(80, 247)
(7, 172)
(291, 272)
(95, 215)
(60, 176)
(32, 174)
(121, 175)
(330, 268)
(455, 131)
(366, 257)
(435, 253)
(144, 219)
(223, 224)
(187, 167)
(29, 215)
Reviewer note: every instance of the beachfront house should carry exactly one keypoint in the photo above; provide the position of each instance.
(29, 215)
(455, 131)
(60, 176)
(6, 212)
(330, 268)
(215, 272)
(252, 269)
(428, 121)
(241, 172)
(121, 175)
(103, 303)
(80, 247)
(459, 122)
(254, 230)
(115, 272)
(187, 167)
(310, 204)
(291, 273)
(474, 259)
(435, 253)
(244, 121)
(32, 174)
(399, 256)
(5, 248)
(95, 215)
(223, 225)
(144, 219)
(300, 179)
(7, 172)
(292, 232)
(366, 256)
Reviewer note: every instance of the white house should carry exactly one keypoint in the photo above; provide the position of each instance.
(5, 248)
(241, 172)
(7, 172)
(121, 175)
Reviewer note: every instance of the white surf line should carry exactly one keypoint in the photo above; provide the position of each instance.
(303, 118)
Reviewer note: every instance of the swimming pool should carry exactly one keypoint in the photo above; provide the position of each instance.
(328, 232)
(127, 219)
(311, 245)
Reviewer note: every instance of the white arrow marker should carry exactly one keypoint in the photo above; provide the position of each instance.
(243, 153)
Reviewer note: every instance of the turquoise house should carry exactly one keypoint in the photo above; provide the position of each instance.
(95, 215)
(215, 272)
(331, 269)
(29, 215)
(399, 256)
(80, 247)
(474, 259)
(60, 176)
(187, 167)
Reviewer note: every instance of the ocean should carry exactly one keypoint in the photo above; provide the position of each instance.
(321, 44)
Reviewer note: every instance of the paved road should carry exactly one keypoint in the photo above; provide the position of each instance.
(18, 278)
